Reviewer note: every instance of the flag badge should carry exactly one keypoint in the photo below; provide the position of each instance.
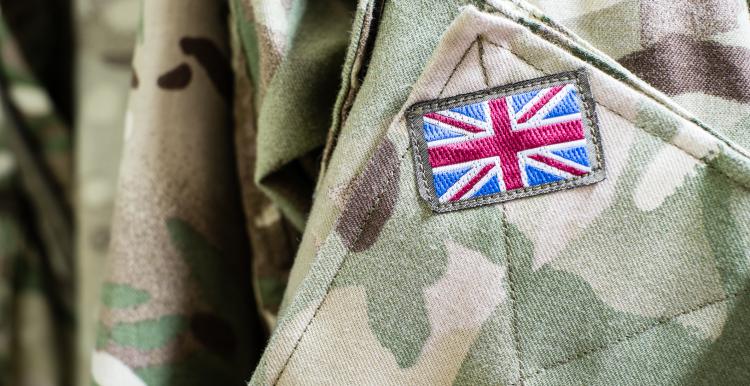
(513, 141)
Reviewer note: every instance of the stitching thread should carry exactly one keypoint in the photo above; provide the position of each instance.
(579, 355)
(480, 48)
(703, 161)
(512, 297)
(634, 334)
(416, 111)
(360, 232)
(453, 72)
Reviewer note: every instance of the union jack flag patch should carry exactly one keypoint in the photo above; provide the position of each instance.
(508, 142)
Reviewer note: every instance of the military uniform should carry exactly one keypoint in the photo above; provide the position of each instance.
(494, 192)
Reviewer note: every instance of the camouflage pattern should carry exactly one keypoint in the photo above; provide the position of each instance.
(106, 32)
(36, 282)
(697, 52)
(287, 53)
(177, 301)
(257, 191)
(639, 279)
(306, 76)
(199, 322)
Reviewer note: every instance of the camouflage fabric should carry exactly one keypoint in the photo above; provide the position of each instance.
(694, 51)
(638, 279)
(105, 39)
(36, 281)
(278, 153)
(229, 196)
(178, 305)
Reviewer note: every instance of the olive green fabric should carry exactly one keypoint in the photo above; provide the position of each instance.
(623, 282)
(222, 192)
(288, 58)
(37, 327)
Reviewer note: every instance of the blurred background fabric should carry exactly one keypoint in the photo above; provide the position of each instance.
(38, 286)
(66, 70)
(105, 37)
(176, 109)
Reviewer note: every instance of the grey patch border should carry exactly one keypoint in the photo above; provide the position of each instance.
(591, 132)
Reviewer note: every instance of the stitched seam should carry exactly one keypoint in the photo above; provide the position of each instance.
(362, 228)
(512, 298)
(704, 161)
(480, 47)
(644, 329)
(662, 320)
(565, 40)
(360, 233)
(504, 221)
(453, 72)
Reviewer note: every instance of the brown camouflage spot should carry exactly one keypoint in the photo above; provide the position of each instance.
(176, 78)
(712, 68)
(214, 333)
(134, 79)
(212, 59)
(372, 199)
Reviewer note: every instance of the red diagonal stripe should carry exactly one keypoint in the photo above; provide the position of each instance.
(454, 122)
(540, 103)
(471, 183)
(557, 164)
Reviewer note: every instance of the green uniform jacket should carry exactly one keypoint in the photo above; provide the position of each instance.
(390, 192)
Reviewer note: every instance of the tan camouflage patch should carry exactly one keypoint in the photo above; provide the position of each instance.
(458, 305)
(664, 174)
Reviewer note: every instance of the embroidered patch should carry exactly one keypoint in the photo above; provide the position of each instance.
(508, 142)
